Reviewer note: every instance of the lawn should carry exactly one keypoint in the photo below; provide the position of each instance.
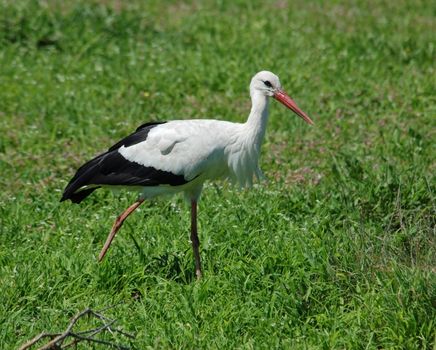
(335, 250)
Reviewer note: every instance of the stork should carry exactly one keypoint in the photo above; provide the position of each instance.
(180, 155)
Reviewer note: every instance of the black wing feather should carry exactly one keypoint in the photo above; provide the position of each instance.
(139, 135)
(111, 168)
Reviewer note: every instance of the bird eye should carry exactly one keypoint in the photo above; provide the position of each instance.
(268, 83)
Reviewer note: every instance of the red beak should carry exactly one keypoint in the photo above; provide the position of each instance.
(283, 97)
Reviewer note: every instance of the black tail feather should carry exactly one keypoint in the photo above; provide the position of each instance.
(77, 197)
(82, 178)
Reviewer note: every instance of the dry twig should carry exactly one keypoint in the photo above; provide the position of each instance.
(58, 339)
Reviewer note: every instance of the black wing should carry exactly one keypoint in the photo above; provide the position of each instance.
(139, 135)
(111, 168)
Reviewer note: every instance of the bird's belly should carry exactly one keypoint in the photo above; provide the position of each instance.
(155, 191)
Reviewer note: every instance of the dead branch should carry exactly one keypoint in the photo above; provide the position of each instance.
(58, 339)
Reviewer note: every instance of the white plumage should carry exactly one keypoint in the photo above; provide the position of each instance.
(180, 155)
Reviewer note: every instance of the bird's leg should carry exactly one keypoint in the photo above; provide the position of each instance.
(194, 238)
(117, 225)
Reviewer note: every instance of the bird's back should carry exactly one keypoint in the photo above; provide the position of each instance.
(186, 147)
(168, 154)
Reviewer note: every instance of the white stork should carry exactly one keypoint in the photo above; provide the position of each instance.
(180, 155)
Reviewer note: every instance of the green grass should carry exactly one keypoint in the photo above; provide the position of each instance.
(335, 251)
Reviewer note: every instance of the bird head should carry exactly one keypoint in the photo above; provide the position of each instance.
(268, 84)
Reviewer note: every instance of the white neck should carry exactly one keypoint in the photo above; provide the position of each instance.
(258, 118)
(244, 155)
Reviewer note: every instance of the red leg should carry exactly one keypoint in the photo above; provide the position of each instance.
(194, 238)
(117, 225)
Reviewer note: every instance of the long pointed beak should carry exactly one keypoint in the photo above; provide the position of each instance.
(283, 98)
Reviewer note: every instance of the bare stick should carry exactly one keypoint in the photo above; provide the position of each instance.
(36, 339)
(57, 339)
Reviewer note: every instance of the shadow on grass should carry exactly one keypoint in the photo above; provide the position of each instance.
(172, 266)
